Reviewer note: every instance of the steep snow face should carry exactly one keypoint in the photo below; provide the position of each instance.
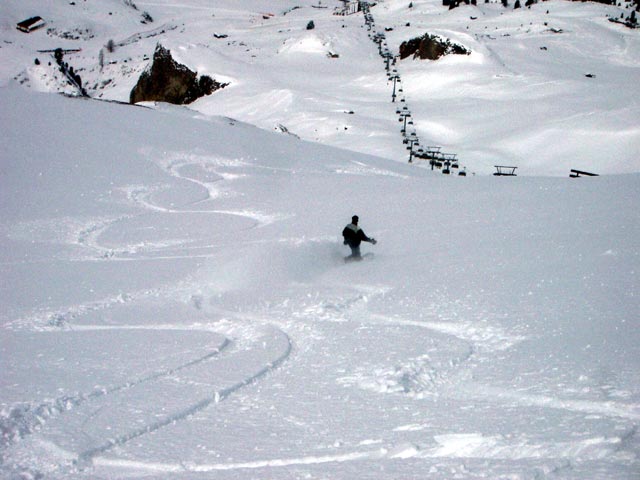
(546, 88)
(175, 304)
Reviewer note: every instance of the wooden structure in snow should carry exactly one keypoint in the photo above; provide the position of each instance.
(580, 173)
(30, 24)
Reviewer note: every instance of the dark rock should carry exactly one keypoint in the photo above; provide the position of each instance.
(168, 81)
(430, 47)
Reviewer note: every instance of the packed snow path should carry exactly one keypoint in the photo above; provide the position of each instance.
(177, 306)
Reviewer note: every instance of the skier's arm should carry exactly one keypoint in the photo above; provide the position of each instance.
(364, 238)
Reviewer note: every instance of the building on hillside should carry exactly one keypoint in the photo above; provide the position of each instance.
(349, 7)
(30, 24)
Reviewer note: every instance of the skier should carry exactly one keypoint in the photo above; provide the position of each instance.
(353, 235)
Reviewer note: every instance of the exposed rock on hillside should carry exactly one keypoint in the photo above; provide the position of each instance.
(168, 81)
(430, 47)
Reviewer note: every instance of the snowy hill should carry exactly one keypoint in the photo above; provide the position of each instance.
(546, 88)
(175, 304)
(175, 300)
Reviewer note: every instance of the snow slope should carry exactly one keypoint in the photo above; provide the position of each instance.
(174, 299)
(176, 305)
(521, 98)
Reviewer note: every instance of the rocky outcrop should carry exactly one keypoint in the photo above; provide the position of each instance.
(430, 47)
(168, 81)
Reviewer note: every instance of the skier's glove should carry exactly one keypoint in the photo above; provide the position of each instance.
(374, 241)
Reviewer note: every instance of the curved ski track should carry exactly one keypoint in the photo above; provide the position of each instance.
(33, 418)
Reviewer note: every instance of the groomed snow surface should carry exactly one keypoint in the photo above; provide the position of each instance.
(175, 302)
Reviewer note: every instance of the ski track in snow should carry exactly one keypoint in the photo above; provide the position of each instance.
(607, 408)
(215, 397)
(418, 377)
(203, 468)
(45, 319)
(87, 233)
(205, 179)
(447, 446)
(486, 337)
(26, 421)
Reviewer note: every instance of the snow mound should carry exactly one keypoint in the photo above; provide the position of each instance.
(309, 44)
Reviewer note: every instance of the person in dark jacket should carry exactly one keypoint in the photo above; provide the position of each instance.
(353, 236)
